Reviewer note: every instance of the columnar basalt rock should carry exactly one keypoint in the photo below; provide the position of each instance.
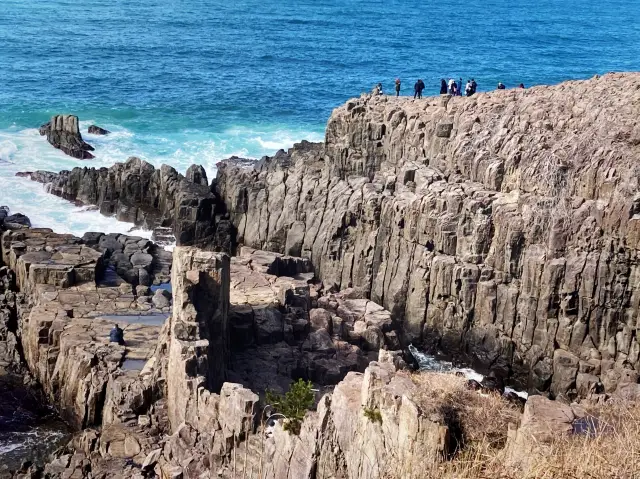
(198, 347)
(63, 132)
(137, 192)
(513, 238)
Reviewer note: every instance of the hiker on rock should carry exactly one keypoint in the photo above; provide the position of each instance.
(501, 86)
(468, 90)
(452, 86)
(398, 84)
(417, 89)
(474, 86)
(116, 335)
(443, 87)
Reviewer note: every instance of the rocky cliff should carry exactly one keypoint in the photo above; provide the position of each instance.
(137, 192)
(505, 226)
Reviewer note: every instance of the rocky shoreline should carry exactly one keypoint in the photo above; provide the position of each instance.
(500, 227)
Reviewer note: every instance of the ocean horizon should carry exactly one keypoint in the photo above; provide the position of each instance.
(196, 82)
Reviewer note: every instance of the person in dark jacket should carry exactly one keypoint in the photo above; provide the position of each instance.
(501, 86)
(474, 86)
(398, 85)
(116, 335)
(443, 87)
(417, 89)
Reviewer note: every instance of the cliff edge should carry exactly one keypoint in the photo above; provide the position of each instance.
(505, 226)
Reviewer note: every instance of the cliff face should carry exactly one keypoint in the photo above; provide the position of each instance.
(505, 225)
(137, 192)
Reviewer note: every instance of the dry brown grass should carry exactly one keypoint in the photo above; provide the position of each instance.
(612, 452)
(479, 416)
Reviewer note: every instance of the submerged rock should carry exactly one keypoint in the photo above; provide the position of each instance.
(63, 133)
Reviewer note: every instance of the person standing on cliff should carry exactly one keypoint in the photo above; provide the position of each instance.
(443, 86)
(116, 335)
(398, 84)
(417, 89)
(474, 86)
(468, 90)
(501, 86)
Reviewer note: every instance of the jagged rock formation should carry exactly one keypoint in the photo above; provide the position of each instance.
(137, 260)
(63, 132)
(13, 222)
(504, 225)
(96, 130)
(139, 193)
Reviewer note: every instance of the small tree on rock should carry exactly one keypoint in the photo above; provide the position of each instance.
(294, 404)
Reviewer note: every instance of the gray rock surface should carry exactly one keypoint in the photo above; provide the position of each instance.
(63, 133)
(96, 130)
(137, 192)
(504, 225)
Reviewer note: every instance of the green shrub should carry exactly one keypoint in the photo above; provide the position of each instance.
(372, 414)
(294, 404)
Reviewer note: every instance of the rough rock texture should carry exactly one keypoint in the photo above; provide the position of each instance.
(9, 346)
(13, 222)
(198, 348)
(63, 328)
(96, 130)
(273, 337)
(505, 225)
(543, 422)
(139, 193)
(133, 259)
(338, 440)
(63, 133)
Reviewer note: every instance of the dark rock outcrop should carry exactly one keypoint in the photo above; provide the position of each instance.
(137, 192)
(63, 133)
(96, 130)
(135, 260)
(196, 174)
(13, 222)
(513, 238)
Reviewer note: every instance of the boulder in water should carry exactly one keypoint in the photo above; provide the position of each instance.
(64, 134)
(96, 130)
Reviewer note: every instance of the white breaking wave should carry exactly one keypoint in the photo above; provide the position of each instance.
(426, 362)
(26, 150)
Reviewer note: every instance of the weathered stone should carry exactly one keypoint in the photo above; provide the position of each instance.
(63, 133)
(96, 130)
(196, 174)
(137, 192)
(468, 231)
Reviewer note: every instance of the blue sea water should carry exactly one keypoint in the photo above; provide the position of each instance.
(195, 81)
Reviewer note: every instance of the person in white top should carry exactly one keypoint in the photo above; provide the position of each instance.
(468, 90)
(452, 85)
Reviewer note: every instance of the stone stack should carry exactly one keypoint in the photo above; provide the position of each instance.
(63, 132)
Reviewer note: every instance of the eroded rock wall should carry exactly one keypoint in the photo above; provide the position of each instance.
(505, 225)
(137, 192)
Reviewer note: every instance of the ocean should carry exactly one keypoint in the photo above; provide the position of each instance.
(195, 81)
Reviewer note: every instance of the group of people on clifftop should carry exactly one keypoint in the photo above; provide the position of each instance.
(452, 87)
